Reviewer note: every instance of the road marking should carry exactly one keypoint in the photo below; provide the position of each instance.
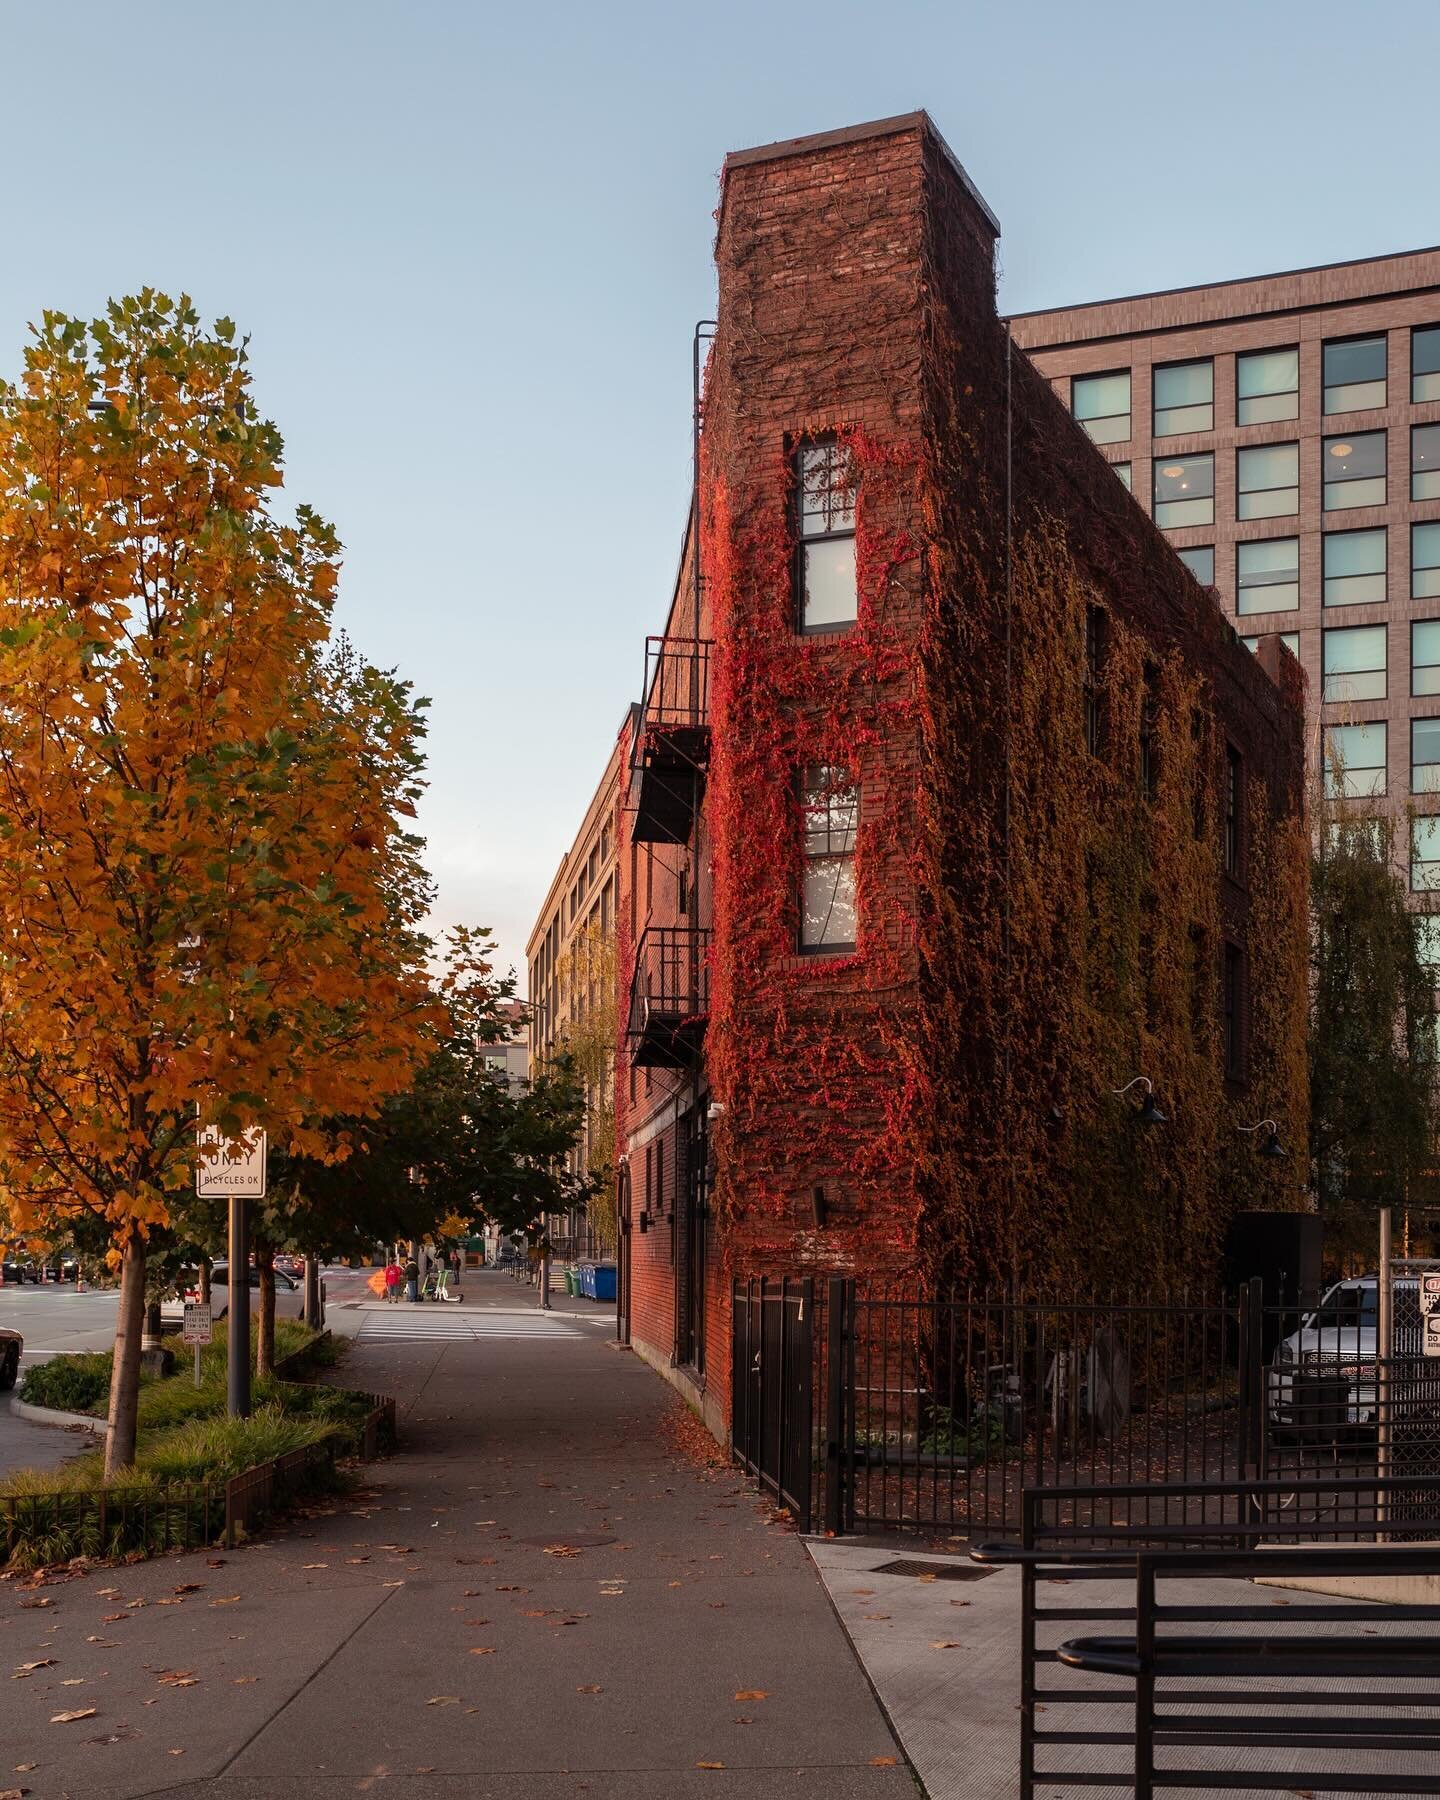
(513, 1327)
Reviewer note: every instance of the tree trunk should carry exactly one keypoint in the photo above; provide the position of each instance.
(312, 1293)
(150, 1339)
(265, 1323)
(125, 1370)
(205, 1269)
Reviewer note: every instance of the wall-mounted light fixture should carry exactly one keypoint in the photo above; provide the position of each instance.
(1270, 1144)
(715, 1110)
(1149, 1113)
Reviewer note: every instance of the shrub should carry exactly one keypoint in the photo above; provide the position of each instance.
(69, 1383)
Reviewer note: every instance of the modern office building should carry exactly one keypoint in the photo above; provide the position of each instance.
(571, 963)
(961, 821)
(1284, 433)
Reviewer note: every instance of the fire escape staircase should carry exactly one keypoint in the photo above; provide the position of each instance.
(669, 997)
(672, 745)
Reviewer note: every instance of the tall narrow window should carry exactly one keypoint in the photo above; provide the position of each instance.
(1354, 564)
(1425, 363)
(1425, 756)
(1184, 398)
(1355, 761)
(825, 498)
(1425, 657)
(1267, 386)
(1354, 663)
(1267, 481)
(1234, 811)
(1425, 462)
(1267, 576)
(1354, 374)
(1094, 660)
(1102, 405)
(1424, 561)
(1234, 991)
(1354, 470)
(831, 807)
(1425, 853)
(1184, 491)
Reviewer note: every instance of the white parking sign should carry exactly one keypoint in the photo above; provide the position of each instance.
(197, 1328)
(229, 1168)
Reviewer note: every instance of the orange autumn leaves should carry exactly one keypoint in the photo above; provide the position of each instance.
(206, 905)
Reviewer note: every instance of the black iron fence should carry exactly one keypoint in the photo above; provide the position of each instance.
(874, 1410)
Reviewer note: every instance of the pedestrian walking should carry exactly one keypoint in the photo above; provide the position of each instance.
(394, 1275)
(412, 1278)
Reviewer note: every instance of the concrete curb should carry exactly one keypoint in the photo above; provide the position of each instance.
(49, 1415)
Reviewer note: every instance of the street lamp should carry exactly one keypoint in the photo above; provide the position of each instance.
(1149, 1113)
(1270, 1146)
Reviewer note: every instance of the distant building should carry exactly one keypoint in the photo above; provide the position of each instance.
(572, 983)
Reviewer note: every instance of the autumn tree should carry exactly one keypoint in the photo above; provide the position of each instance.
(197, 843)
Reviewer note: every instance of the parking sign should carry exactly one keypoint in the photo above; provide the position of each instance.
(1430, 1292)
(197, 1328)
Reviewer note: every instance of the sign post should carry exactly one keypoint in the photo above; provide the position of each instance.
(233, 1169)
(198, 1330)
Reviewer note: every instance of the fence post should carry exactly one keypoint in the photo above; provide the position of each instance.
(1253, 1435)
(836, 1461)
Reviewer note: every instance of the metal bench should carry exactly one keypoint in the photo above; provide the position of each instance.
(1355, 1732)
(1079, 1536)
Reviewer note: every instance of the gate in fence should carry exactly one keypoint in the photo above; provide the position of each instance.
(937, 1414)
(773, 1386)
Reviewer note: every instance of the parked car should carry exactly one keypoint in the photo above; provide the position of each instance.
(289, 1296)
(1323, 1374)
(15, 1272)
(11, 1344)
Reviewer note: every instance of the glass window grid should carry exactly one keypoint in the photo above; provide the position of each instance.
(1353, 663)
(1425, 756)
(1355, 567)
(830, 811)
(825, 522)
(1424, 363)
(1424, 657)
(1267, 576)
(1112, 424)
(1352, 470)
(1258, 495)
(1355, 761)
(1267, 385)
(1350, 381)
(1184, 490)
(1427, 938)
(1184, 397)
(1425, 560)
(1425, 854)
(1425, 462)
(1199, 559)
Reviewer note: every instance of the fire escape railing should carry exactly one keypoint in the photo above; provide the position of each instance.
(669, 996)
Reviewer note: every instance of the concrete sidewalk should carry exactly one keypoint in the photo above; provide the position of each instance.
(535, 1599)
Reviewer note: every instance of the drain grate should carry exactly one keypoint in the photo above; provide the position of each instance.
(937, 1571)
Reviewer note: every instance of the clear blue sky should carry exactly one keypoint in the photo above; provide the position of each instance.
(469, 243)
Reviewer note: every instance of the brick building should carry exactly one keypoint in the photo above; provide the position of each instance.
(956, 803)
(570, 959)
(1285, 433)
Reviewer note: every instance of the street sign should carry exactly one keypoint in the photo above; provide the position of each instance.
(229, 1168)
(1430, 1292)
(198, 1327)
(1431, 1324)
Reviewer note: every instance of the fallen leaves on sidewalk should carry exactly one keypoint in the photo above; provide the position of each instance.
(177, 1678)
(483, 1650)
(946, 1644)
(883, 1762)
(26, 1669)
(753, 1694)
(444, 1700)
(589, 1690)
(225, 1600)
(560, 1550)
(709, 1765)
(187, 1587)
(69, 1718)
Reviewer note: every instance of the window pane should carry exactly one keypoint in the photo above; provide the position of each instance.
(1354, 374)
(1102, 405)
(1267, 576)
(1122, 471)
(1425, 853)
(1354, 663)
(1425, 461)
(1354, 761)
(1268, 481)
(1425, 756)
(1427, 938)
(1267, 386)
(829, 582)
(1354, 568)
(1354, 470)
(1184, 396)
(1424, 561)
(1185, 491)
(1200, 561)
(1425, 363)
(1290, 639)
(828, 912)
(1425, 657)
(827, 493)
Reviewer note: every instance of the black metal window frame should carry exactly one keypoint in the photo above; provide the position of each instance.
(1188, 406)
(1242, 492)
(1327, 386)
(1241, 400)
(1335, 474)
(840, 504)
(825, 790)
(1100, 419)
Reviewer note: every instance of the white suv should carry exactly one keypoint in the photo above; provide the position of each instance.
(1324, 1372)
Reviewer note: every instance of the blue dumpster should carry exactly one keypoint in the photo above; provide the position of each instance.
(602, 1282)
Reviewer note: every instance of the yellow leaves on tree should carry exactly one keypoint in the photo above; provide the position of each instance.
(206, 906)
